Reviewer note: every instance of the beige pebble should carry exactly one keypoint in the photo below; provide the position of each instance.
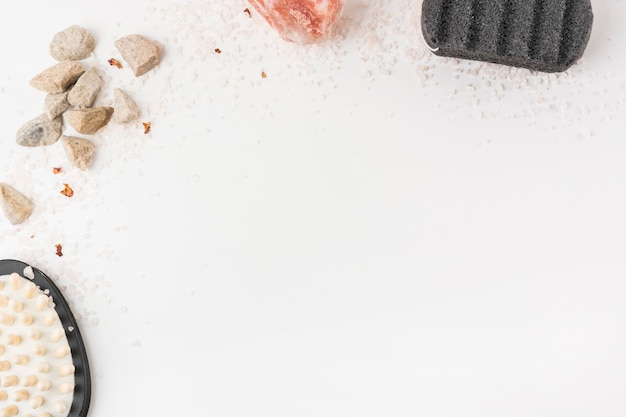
(79, 151)
(58, 78)
(72, 43)
(40, 131)
(88, 121)
(140, 53)
(15, 205)
(84, 92)
(126, 109)
(55, 104)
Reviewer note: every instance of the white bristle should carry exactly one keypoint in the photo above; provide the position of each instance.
(26, 318)
(66, 387)
(41, 302)
(21, 359)
(39, 349)
(67, 370)
(36, 368)
(16, 281)
(57, 335)
(60, 406)
(20, 395)
(44, 385)
(29, 381)
(36, 402)
(8, 381)
(34, 334)
(50, 318)
(14, 339)
(43, 367)
(62, 351)
(16, 305)
(7, 319)
(30, 290)
(9, 411)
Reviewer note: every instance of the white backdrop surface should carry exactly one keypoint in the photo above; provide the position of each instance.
(368, 231)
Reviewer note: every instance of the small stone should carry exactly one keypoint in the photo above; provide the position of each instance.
(84, 92)
(79, 151)
(58, 78)
(125, 108)
(40, 131)
(140, 53)
(16, 206)
(301, 21)
(73, 43)
(55, 104)
(88, 121)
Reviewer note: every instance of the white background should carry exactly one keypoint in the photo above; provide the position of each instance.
(369, 231)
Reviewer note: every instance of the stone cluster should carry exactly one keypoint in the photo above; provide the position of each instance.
(72, 90)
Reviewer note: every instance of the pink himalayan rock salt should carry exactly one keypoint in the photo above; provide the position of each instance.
(301, 21)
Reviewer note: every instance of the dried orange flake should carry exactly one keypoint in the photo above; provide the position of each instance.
(115, 63)
(263, 74)
(67, 191)
(59, 249)
(57, 170)
(218, 51)
(146, 127)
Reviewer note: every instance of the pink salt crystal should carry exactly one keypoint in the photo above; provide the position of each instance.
(300, 21)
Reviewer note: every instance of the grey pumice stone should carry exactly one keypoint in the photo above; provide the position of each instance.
(540, 35)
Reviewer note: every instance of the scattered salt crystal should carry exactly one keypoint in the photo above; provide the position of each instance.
(29, 273)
